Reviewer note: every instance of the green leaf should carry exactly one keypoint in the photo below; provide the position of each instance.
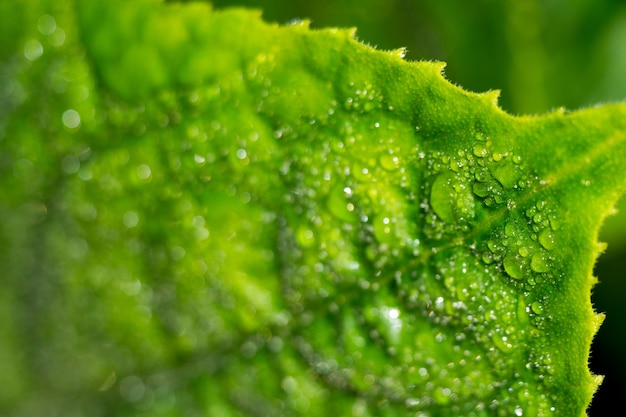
(207, 214)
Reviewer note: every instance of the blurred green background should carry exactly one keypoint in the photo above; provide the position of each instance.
(542, 55)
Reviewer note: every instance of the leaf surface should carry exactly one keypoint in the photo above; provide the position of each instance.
(213, 215)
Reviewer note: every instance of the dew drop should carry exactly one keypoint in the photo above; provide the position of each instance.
(382, 229)
(481, 189)
(440, 195)
(501, 342)
(389, 162)
(70, 164)
(71, 119)
(241, 154)
(144, 171)
(57, 38)
(339, 205)
(513, 266)
(546, 238)
(46, 24)
(510, 230)
(540, 205)
(199, 159)
(480, 151)
(130, 219)
(33, 49)
(536, 307)
(539, 263)
(506, 174)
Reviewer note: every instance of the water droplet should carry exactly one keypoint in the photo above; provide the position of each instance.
(382, 229)
(199, 159)
(130, 219)
(412, 402)
(33, 49)
(144, 172)
(451, 200)
(389, 162)
(536, 307)
(501, 342)
(518, 411)
(481, 189)
(510, 229)
(46, 24)
(57, 38)
(514, 266)
(70, 164)
(505, 173)
(339, 205)
(241, 154)
(539, 263)
(546, 238)
(480, 151)
(71, 119)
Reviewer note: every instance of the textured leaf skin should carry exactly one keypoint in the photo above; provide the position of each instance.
(260, 220)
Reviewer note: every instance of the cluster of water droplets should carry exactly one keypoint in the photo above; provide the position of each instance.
(374, 293)
(430, 302)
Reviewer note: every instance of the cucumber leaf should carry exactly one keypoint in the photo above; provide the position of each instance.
(207, 214)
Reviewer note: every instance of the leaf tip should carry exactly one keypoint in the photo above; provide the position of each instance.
(399, 52)
(598, 320)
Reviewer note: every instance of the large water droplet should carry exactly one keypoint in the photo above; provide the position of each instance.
(339, 205)
(480, 150)
(451, 199)
(546, 238)
(514, 266)
(539, 262)
(506, 174)
(536, 307)
(389, 162)
(440, 195)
